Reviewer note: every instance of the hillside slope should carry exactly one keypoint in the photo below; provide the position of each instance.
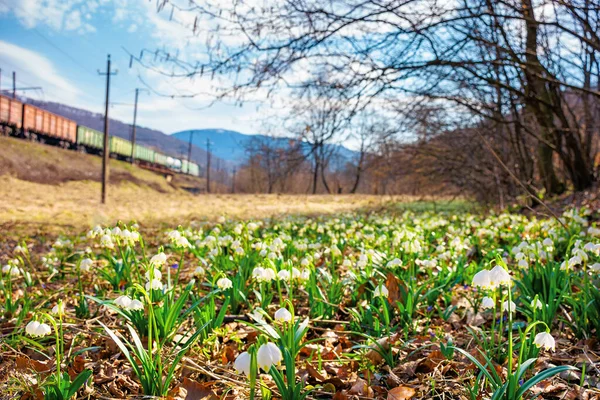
(34, 162)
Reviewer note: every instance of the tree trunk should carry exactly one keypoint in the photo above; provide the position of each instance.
(537, 100)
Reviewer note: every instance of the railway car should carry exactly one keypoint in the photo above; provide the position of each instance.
(47, 127)
(27, 121)
(194, 169)
(90, 140)
(11, 115)
(144, 154)
(120, 148)
(161, 159)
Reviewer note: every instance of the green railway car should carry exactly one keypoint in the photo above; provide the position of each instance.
(189, 168)
(160, 159)
(90, 137)
(143, 153)
(194, 169)
(120, 146)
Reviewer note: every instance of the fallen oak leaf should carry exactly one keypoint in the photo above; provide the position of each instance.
(401, 393)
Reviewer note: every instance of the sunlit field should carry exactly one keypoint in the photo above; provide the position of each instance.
(388, 304)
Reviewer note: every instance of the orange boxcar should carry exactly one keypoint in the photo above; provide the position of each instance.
(52, 125)
(11, 111)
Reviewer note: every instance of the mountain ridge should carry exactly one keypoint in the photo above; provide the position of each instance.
(231, 145)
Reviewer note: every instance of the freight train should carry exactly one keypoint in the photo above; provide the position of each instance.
(29, 122)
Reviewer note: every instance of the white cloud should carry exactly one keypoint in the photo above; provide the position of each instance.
(56, 14)
(33, 68)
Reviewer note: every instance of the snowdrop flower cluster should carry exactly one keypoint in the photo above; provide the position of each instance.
(35, 328)
(127, 303)
(492, 279)
(224, 283)
(263, 274)
(12, 268)
(178, 240)
(86, 265)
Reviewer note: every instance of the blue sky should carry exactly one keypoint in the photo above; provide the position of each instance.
(60, 44)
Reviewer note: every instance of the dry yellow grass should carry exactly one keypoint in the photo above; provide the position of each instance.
(76, 204)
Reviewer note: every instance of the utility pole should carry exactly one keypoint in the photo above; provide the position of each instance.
(207, 165)
(133, 129)
(189, 157)
(14, 85)
(106, 151)
(233, 180)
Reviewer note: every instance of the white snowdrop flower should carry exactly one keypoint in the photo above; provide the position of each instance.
(523, 263)
(259, 273)
(335, 251)
(268, 355)
(295, 273)
(59, 309)
(86, 265)
(304, 262)
(396, 262)
(499, 276)
(272, 255)
(381, 291)
(263, 253)
(11, 270)
(581, 253)
(536, 304)
(574, 261)
(34, 328)
(154, 284)
(269, 274)
(182, 242)
(123, 301)
(242, 363)
(487, 302)
(482, 279)
(135, 305)
(593, 231)
(106, 241)
(548, 242)
(174, 235)
(158, 259)
(20, 249)
(199, 271)
(283, 275)
(153, 274)
(506, 307)
(305, 275)
(283, 315)
(595, 267)
(545, 340)
(116, 231)
(224, 283)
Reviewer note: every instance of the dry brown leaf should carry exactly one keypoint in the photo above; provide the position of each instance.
(340, 396)
(401, 393)
(391, 283)
(198, 391)
(361, 388)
